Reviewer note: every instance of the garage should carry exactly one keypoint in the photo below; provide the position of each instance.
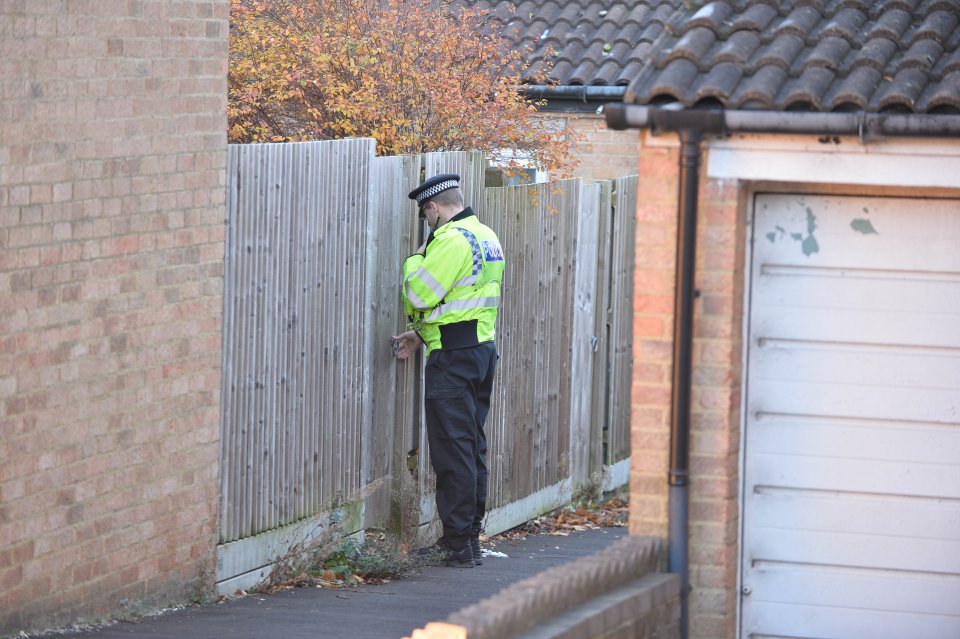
(851, 442)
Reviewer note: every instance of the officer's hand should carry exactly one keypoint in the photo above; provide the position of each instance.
(406, 344)
(423, 248)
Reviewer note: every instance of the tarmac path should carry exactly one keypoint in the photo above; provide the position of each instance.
(388, 611)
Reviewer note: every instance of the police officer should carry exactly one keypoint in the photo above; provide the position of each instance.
(451, 292)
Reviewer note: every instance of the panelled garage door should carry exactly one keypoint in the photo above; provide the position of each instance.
(851, 520)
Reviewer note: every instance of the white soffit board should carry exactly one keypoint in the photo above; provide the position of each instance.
(906, 163)
(851, 513)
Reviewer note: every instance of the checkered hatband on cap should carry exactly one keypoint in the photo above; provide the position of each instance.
(435, 189)
(433, 186)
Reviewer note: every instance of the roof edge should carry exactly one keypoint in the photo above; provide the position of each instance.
(620, 116)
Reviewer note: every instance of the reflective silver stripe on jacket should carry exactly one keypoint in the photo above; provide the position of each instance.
(462, 305)
(429, 281)
(414, 299)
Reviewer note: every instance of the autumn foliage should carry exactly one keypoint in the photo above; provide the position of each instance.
(416, 75)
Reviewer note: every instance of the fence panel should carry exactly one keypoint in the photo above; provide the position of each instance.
(294, 370)
(529, 424)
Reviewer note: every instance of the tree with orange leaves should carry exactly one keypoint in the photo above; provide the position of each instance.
(416, 75)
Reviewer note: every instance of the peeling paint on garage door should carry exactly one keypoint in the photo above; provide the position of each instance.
(851, 514)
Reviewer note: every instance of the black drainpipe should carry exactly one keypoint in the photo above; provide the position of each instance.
(691, 125)
(684, 294)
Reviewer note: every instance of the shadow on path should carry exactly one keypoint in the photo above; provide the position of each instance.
(391, 610)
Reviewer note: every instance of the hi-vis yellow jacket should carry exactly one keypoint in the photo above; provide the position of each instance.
(452, 293)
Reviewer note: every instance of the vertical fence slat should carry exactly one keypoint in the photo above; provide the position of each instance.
(624, 232)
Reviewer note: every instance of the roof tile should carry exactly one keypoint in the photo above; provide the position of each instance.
(673, 80)
(606, 33)
(616, 14)
(943, 96)
(755, 18)
(620, 51)
(953, 42)
(846, 24)
(571, 12)
(800, 22)
(819, 5)
(829, 52)
(938, 26)
(561, 30)
(561, 72)
(922, 55)
(876, 53)
(662, 11)
(694, 44)
(782, 52)
(537, 28)
(711, 15)
(583, 73)
(910, 6)
(807, 89)
(902, 91)
(719, 82)
(738, 48)
(607, 74)
(789, 54)
(652, 31)
(834, 6)
(855, 89)
(630, 71)
(948, 64)
(640, 13)
(630, 33)
(891, 25)
(761, 87)
(574, 52)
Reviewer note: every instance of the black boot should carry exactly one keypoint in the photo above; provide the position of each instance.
(443, 553)
(462, 558)
(475, 549)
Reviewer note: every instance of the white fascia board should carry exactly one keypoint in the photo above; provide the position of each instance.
(904, 163)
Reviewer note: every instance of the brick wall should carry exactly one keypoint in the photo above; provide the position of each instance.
(603, 153)
(715, 415)
(112, 161)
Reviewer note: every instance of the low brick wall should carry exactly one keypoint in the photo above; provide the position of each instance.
(608, 595)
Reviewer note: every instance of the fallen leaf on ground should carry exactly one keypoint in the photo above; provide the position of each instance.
(561, 522)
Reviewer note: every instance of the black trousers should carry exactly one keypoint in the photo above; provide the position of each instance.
(457, 399)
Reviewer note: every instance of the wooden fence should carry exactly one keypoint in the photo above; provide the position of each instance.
(322, 425)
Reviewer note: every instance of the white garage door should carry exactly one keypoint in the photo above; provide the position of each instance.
(851, 521)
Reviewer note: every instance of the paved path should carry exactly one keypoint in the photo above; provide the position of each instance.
(367, 612)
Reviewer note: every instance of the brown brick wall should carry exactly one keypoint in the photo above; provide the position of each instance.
(112, 161)
(715, 415)
(603, 153)
(652, 336)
